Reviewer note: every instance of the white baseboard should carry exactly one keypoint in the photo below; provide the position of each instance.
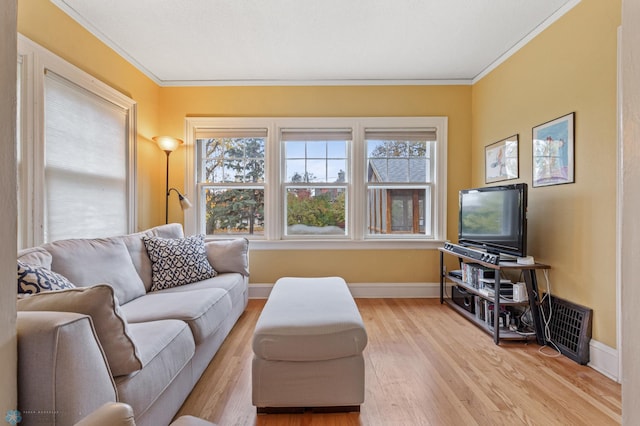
(259, 291)
(369, 290)
(603, 358)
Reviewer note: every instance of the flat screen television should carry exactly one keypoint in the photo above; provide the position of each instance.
(494, 218)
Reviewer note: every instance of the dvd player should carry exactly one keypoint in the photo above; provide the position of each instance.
(480, 255)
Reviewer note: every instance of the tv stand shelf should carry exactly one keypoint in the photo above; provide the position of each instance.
(498, 333)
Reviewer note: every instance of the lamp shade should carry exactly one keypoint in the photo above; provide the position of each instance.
(167, 143)
(184, 202)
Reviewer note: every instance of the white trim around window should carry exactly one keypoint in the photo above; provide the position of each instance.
(36, 63)
(357, 238)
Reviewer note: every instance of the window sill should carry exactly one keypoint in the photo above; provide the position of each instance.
(345, 245)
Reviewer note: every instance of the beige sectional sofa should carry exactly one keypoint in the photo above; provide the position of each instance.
(121, 335)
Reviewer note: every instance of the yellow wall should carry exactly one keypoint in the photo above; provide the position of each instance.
(569, 67)
(339, 101)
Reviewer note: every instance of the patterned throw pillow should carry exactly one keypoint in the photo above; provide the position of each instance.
(177, 261)
(36, 279)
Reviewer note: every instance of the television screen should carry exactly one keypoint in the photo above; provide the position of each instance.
(494, 218)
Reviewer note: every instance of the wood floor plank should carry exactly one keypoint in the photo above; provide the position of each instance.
(424, 365)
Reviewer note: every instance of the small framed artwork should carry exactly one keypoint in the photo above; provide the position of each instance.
(501, 160)
(553, 143)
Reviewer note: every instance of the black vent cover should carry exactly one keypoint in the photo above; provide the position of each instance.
(569, 327)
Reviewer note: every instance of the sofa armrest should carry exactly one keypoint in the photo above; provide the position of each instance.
(121, 414)
(110, 414)
(63, 374)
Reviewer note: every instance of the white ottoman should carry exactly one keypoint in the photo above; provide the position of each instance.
(307, 346)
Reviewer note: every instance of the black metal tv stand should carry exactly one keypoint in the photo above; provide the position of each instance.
(498, 332)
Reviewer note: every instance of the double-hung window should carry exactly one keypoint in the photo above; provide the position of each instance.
(315, 184)
(231, 178)
(319, 182)
(400, 182)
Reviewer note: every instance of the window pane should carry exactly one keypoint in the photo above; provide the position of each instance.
(230, 211)
(376, 149)
(316, 211)
(418, 149)
(336, 170)
(397, 149)
(316, 161)
(399, 161)
(316, 149)
(317, 170)
(214, 148)
(399, 211)
(295, 149)
(232, 160)
(254, 170)
(233, 171)
(296, 171)
(212, 171)
(336, 149)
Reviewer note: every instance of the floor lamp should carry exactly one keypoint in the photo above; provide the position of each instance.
(169, 144)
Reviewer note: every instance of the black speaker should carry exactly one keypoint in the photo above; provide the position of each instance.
(462, 298)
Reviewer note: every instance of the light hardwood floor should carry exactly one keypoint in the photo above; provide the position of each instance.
(425, 365)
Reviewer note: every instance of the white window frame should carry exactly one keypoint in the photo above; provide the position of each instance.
(286, 185)
(274, 205)
(36, 60)
(199, 196)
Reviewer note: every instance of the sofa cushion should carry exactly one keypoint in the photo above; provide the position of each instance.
(86, 262)
(36, 279)
(100, 303)
(166, 348)
(228, 255)
(204, 310)
(232, 283)
(177, 261)
(35, 256)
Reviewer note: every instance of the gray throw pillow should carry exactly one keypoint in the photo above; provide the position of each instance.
(228, 255)
(177, 261)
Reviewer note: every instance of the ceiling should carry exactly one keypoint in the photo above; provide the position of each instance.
(251, 42)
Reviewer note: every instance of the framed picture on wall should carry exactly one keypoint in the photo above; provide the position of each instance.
(553, 142)
(501, 160)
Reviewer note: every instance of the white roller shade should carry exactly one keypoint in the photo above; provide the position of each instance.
(230, 133)
(86, 162)
(316, 135)
(416, 135)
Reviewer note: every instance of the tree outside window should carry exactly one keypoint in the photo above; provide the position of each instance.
(234, 168)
